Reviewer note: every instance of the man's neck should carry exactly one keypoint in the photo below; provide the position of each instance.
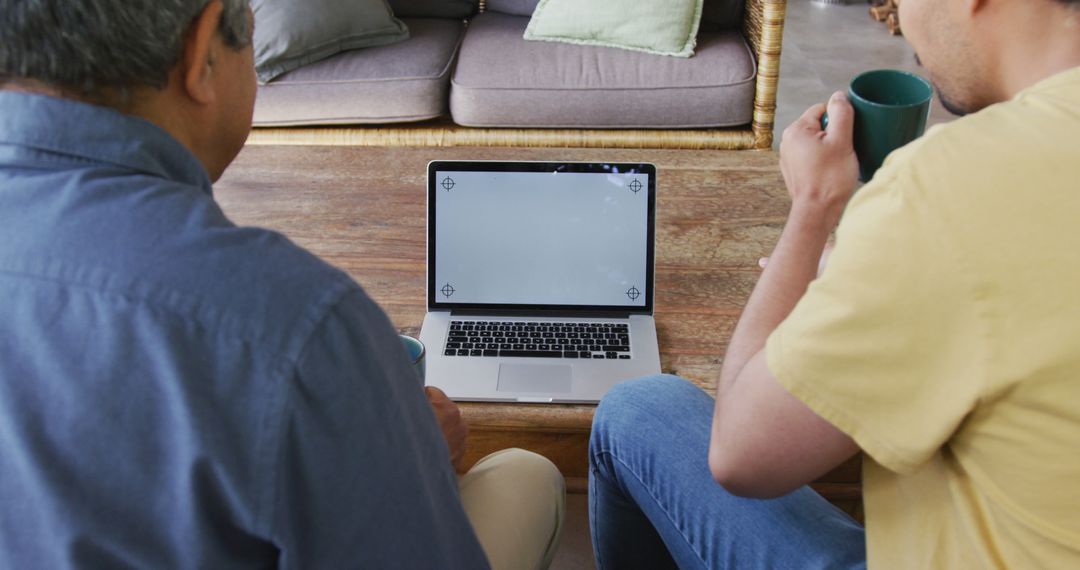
(1045, 42)
(113, 98)
(31, 86)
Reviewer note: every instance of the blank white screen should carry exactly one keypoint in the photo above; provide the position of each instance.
(541, 238)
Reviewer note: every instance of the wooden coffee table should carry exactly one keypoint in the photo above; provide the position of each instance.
(363, 210)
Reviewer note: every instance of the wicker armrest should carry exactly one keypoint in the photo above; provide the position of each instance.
(763, 25)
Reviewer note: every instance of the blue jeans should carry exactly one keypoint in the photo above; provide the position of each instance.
(654, 504)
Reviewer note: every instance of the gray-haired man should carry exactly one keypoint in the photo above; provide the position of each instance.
(179, 392)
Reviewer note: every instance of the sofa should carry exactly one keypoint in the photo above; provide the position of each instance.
(466, 76)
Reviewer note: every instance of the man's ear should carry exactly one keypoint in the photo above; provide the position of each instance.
(200, 52)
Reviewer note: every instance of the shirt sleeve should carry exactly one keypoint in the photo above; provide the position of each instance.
(888, 344)
(364, 473)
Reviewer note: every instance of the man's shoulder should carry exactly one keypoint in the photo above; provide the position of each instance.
(261, 283)
(982, 161)
(171, 250)
(1011, 138)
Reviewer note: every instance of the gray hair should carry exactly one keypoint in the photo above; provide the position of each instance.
(94, 48)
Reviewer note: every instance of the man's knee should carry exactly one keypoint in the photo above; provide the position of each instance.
(631, 405)
(516, 502)
(525, 468)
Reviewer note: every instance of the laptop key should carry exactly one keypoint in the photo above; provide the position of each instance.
(476, 352)
(463, 352)
(624, 357)
(453, 345)
(531, 353)
(451, 352)
(585, 354)
(596, 348)
(616, 348)
(570, 354)
(466, 345)
(490, 352)
(612, 355)
(519, 347)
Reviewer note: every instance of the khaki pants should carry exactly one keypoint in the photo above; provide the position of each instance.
(515, 500)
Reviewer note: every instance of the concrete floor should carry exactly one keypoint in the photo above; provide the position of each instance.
(825, 45)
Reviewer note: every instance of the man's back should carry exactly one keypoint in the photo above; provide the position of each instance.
(176, 391)
(943, 337)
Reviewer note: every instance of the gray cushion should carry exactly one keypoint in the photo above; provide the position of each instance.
(504, 81)
(402, 82)
(291, 34)
(434, 8)
(717, 14)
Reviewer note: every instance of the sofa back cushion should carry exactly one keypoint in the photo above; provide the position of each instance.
(435, 8)
(289, 34)
(716, 15)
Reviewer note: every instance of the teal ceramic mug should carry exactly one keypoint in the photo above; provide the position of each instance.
(891, 108)
(417, 353)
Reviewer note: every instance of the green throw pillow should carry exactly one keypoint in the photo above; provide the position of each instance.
(293, 33)
(662, 27)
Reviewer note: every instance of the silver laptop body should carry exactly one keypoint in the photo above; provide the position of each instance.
(539, 279)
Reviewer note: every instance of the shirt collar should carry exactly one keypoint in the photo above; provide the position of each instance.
(1060, 79)
(98, 134)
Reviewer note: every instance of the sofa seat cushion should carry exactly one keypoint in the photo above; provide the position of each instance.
(402, 82)
(504, 81)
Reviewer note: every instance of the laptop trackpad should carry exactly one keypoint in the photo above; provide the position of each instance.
(534, 377)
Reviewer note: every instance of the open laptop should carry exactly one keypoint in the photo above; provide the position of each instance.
(540, 279)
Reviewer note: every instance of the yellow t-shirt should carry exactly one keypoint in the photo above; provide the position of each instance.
(944, 338)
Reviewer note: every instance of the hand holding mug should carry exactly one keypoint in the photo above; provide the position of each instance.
(819, 166)
(453, 426)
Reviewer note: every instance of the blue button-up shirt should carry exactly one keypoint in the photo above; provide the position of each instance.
(176, 391)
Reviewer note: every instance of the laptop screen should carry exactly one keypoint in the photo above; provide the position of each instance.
(540, 236)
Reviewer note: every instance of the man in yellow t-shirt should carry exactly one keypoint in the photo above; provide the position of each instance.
(942, 339)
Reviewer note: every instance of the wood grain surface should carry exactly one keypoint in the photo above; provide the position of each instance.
(363, 209)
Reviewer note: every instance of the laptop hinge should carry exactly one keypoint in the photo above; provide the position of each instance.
(540, 313)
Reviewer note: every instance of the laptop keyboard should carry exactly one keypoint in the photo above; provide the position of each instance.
(538, 339)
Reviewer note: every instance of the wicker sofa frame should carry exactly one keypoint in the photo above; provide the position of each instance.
(763, 26)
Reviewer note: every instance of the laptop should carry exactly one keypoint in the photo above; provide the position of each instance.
(539, 279)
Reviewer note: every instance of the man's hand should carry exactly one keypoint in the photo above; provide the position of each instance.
(819, 166)
(454, 429)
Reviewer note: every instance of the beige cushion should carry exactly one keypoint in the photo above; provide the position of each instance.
(566, 85)
(717, 14)
(660, 27)
(407, 81)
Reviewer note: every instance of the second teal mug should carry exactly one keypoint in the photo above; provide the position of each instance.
(417, 355)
